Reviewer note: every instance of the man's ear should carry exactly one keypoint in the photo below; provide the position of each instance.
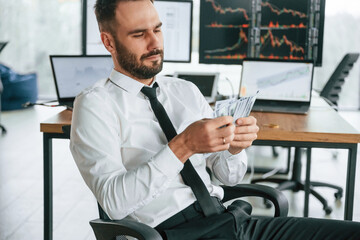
(108, 41)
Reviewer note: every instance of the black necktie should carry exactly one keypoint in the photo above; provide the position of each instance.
(188, 173)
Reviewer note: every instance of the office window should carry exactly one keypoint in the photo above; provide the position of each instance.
(341, 35)
(35, 29)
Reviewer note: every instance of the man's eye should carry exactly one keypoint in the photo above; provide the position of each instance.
(138, 35)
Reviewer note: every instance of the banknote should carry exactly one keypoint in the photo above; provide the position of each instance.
(236, 108)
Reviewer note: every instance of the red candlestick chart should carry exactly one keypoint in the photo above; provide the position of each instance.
(283, 29)
(231, 30)
(224, 30)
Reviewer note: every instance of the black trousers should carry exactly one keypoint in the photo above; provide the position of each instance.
(236, 223)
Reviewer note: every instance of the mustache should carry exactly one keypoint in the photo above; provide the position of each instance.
(153, 52)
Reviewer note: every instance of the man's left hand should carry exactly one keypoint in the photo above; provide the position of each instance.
(245, 133)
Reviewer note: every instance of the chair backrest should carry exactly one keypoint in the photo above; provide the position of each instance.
(333, 86)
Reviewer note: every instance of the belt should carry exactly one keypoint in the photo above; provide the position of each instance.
(189, 213)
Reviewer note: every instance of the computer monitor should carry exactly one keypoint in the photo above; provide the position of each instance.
(277, 80)
(273, 29)
(206, 82)
(283, 86)
(73, 73)
(176, 16)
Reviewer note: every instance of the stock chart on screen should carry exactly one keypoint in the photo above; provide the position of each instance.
(231, 30)
(224, 30)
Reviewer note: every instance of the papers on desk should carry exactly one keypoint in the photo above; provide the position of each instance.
(237, 108)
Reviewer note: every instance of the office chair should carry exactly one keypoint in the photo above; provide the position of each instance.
(330, 92)
(333, 86)
(106, 229)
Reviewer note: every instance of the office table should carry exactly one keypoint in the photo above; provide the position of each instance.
(322, 127)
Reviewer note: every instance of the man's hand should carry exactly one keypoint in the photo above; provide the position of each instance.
(245, 133)
(203, 136)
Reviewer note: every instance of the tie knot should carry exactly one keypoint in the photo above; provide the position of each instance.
(150, 92)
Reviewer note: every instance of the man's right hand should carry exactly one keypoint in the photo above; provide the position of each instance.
(203, 136)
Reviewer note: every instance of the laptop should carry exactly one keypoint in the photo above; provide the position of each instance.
(2, 45)
(284, 86)
(206, 82)
(73, 73)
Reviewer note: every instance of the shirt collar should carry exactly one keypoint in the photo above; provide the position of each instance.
(127, 83)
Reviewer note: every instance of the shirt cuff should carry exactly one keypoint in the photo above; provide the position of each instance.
(226, 155)
(166, 158)
(235, 164)
(242, 156)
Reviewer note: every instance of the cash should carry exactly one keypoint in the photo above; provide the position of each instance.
(237, 108)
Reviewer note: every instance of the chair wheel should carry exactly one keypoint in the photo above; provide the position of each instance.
(338, 195)
(267, 203)
(327, 210)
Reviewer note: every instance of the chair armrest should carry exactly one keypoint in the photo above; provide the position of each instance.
(109, 229)
(255, 190)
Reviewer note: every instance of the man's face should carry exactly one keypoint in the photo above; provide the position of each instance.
(138, 40)
(138, 68)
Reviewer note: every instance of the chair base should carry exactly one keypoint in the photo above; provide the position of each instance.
(296, 186)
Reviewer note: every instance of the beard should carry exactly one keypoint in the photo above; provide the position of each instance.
(128, 61)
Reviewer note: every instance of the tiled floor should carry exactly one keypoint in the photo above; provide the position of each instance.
(21, 180)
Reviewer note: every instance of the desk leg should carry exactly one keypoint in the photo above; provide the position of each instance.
(48, 204)
(350, 182)
(307, 182)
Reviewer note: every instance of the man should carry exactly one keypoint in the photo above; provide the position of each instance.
(126, 156)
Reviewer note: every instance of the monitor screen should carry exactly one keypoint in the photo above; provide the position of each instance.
(176, 16)
(277, 80)
(271, 29)
(72, 74)
(206, 82)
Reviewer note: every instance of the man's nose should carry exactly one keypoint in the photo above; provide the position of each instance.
(155, 41)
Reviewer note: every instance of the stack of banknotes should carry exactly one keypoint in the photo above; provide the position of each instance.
(237, 108)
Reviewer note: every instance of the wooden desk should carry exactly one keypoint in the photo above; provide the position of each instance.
(319, 125)
(55, 123)
(322, 127)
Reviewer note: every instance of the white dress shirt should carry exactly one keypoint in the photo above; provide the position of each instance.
(124, 157)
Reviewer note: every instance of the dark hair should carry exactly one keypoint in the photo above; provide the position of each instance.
(105, 13)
